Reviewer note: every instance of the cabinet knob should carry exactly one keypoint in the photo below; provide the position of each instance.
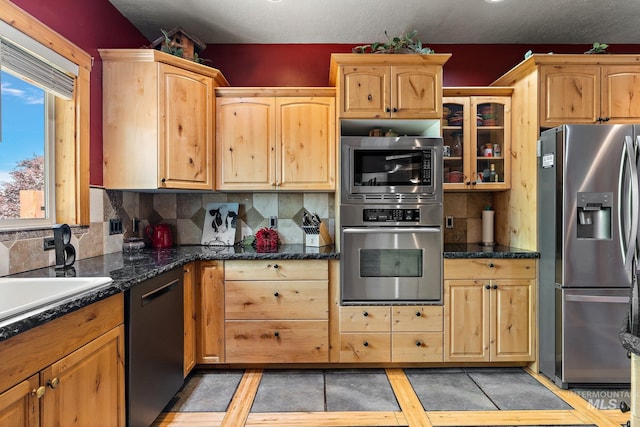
(163, 180)
(418, 344)
(487, 287)
(276, 294)
(369, 97)
(276, 266)
(491, 265)
(54, 382)
(366, 343)
(473, 183)
(38, 392)
(418, 314)
(395, 110)
(495, 286)
(276, 334)
(387, 110)
(365, 313)
(606, 119)
(468, 183)
(624, 407)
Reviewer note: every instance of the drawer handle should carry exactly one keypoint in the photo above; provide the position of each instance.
(418, 314)
(276, 334)
(365, 314)
(491, 265)
(487, 286)
(276, 294)
(54, 382)
(366, 343)
(418, 344)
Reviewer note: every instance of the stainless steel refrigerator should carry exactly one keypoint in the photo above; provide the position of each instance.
(587, 233)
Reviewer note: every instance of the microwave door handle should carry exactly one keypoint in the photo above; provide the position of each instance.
(629, 154)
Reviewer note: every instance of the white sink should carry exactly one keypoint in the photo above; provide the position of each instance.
(22, 295)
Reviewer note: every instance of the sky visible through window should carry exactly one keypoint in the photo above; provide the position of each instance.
(22, 123)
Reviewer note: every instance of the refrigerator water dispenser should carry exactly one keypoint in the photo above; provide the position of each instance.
(594, 216)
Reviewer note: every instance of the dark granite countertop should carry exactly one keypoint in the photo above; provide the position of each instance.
(129, 269)
(471, 250)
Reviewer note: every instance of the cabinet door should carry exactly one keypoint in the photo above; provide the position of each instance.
(466, 320)
(491, 136)
(87, 385)
(569, 94)
(306, 143)
(210, 324)
(365, 92)
(186, 129)
(456, 134)
(620, 93)
(245, 144)
(512, 320)
(189, 318)
(416, 92)
(20, 406)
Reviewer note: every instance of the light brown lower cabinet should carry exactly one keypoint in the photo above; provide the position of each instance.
(189, 289)
(72, 370)
(490, 310)
(210, 312)
(276, 311)
(379, 334)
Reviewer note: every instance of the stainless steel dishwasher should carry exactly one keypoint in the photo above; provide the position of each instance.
(154, 346)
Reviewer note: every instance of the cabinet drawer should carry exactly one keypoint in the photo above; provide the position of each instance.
(417, 347)
(283, 341)
(277, 270)
(489, 268)
(365, 347)
(276, 300)
(417, 318)
(365, 319)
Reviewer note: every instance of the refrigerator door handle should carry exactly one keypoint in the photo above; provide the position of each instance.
(592, 298)
(630, 156)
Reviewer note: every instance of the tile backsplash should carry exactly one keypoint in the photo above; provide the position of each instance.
(466, 210)
(22, 250)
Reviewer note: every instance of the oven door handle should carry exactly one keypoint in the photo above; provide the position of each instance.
(366, 230)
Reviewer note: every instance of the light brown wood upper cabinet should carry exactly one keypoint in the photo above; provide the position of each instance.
(159, 121)
(388, 86)
(281, 140)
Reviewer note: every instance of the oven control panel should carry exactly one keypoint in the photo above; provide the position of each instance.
(391, 215)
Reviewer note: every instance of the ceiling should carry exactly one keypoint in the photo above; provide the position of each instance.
(365, 21)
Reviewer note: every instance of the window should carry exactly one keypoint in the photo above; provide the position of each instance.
(26, 160)
(44, 125)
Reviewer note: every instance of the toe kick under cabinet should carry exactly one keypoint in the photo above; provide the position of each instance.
(276, 311)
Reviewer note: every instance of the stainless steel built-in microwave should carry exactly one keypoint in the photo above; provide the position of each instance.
(391, 169)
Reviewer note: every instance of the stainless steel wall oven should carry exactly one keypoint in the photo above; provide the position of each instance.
(391, 220)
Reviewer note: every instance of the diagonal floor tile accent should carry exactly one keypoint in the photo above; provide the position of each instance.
(359, 390)
(208, 391)
(290, 391)
(448, 390)
(515, 390)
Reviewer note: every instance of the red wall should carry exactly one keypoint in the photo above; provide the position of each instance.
(308, 65)
(93, 24)
(90, 24)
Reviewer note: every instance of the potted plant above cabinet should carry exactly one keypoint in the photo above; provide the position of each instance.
(158, 120)
(476, 132)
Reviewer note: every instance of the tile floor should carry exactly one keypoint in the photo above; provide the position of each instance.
(340, 390)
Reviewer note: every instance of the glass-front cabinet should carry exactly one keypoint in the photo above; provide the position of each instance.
(476, 133)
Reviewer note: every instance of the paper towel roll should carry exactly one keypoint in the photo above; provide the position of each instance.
(487, 227)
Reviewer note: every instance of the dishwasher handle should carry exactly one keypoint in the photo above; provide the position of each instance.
(158, 292)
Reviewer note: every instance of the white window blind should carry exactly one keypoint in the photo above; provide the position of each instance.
(26, 57)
